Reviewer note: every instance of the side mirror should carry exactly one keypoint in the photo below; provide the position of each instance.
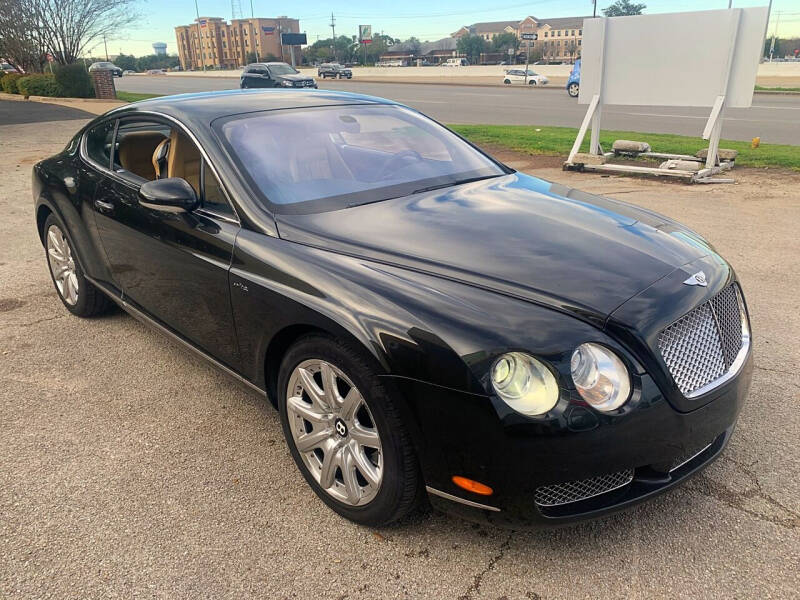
(173, 195)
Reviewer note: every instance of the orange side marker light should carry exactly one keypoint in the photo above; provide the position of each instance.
(472, 486)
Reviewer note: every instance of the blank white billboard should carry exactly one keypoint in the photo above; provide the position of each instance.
(675, 59)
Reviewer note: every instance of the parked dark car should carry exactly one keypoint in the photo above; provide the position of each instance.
(274, 74)
(574, 80)
(334, 71)
(423, 317)
(106, 66)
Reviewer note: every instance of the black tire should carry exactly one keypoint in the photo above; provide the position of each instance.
(401, 486)
(532, 82)
(573, 89)
(91, 301)
(507, 81)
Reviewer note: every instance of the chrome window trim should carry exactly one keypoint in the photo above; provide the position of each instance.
(447, 496)
(114, 175)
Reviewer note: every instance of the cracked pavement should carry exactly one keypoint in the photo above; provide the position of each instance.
(130, 468)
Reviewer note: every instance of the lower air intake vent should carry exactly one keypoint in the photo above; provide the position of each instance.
(573, 491)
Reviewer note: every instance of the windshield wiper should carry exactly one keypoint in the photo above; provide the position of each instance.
(439, 186)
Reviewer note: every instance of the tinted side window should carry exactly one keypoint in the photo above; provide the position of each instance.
(213, 198)
(136, 144)
(98, 143)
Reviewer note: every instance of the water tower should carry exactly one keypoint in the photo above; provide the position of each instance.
(160, 48)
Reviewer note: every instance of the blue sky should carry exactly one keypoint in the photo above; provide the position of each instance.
(420, 18)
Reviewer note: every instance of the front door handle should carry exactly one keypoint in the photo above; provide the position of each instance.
(103, 206)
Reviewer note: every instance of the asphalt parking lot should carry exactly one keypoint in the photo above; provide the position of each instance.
(130, 468)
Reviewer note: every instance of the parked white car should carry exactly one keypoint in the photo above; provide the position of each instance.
(518, 76)
(456, 62)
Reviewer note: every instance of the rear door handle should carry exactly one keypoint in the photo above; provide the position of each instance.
(104, 206)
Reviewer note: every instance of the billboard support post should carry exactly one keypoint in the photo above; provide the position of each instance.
(731, 42)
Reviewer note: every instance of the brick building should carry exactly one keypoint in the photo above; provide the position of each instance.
(559, 39)
(218, 44)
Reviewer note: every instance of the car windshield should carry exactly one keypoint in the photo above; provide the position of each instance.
(311, 160)
(282, 70)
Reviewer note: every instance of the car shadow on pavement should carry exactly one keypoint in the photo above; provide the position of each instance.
(15, 112)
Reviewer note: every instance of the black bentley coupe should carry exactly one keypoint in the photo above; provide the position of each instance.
(423, 317)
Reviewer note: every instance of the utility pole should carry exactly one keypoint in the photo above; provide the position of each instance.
(252, 12)
(766, 27)
(200, 36)
(106, 46)
(333, 33)
(594, 10)
(774, 35)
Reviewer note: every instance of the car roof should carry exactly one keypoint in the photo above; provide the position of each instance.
(203, 107)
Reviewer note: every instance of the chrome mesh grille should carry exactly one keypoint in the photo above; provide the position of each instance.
(573, 491)
(701, 346)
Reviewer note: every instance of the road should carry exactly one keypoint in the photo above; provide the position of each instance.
(130, 468)
(773, 117)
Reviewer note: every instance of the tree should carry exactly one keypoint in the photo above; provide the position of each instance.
(251, 57)
(126, 62)
(20, 43)
(63, 28)
(503, 41)
(413, 45)
(624, 8)
(472, 46)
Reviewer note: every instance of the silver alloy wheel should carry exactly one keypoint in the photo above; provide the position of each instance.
(334, 432)
(62, 264)
(573, 89)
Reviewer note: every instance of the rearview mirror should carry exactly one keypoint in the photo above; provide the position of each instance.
(172, 194)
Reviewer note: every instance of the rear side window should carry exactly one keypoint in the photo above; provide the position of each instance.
(98, 143)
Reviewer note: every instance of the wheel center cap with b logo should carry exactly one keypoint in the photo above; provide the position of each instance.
(341, 427)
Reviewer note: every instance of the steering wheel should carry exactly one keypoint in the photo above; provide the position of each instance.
(392, 163)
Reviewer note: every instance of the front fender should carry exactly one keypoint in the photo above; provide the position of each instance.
(416, 326)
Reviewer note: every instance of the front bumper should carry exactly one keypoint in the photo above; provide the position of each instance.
(463, 434)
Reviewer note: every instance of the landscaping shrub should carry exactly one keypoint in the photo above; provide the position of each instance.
(9, 82)
(74, 81)
(38, 85)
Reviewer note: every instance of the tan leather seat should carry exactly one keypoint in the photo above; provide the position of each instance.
(136, 152)
(184, 159)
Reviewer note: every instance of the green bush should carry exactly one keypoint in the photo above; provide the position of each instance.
(9, 82)
(73, 81)
(38, 85)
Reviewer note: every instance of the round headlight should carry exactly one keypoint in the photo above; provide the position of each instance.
(524, 383)
(600, 377)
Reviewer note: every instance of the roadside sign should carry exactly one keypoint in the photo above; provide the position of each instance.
(530, 36)
(294, 39)
(365, 34)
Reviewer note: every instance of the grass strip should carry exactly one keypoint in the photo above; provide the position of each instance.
(557, 141)
(135, 96)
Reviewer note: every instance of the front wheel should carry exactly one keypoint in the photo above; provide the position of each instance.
(573, 89)
(532, 82)
(507, 81)
(345, 433)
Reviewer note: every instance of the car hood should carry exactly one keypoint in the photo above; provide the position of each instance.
(293, 77)
(514, 234)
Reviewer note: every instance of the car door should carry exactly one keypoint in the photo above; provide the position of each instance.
(172, 266)
(258, 77)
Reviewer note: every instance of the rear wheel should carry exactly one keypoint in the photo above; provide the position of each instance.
(345, 433)
(507, 81)
(78, 294)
